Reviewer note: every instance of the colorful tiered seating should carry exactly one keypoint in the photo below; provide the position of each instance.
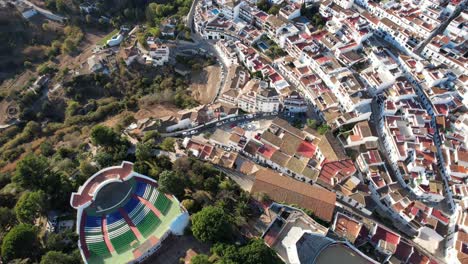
(147, 222)
(153, 196)
(120, 234)
(150, 191)
(119, 212)
(162, 203)
(93, 223)
(94, 237)
(140, 188)
(139, 206)
(131, 204)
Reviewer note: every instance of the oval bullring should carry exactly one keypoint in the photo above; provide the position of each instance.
(122, 216)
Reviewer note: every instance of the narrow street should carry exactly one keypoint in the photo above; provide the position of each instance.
(442, 27)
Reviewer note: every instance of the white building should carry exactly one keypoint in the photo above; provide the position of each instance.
(115, 40)
(294, 103)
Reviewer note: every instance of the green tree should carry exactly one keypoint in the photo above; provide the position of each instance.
(57, 187)
(20, 242)
(168, 144)
(274, 10)
(47, 149)
(190, 205)
(200, 259)
(312, 123)
(256, 252)
(60, 6)
(87, 169)
(263, 5)
(129, 13)
(72, 108)
(104, 136)
(144, 151)
(57, 257)
(104, 159)
(171, 182)
(151, 135)
(323, 129)
(68, 46)
(211, 224)
(7, 217)
(31, 171)
(64, 241)
(30, 206)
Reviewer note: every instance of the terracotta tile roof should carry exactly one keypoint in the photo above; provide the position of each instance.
(267, 151)
(238, 130)
(290, 144)
(271, 138)
(307, 149)
(284, 189)
(418, 258)
(251, 147)
(438, 214)
(280, 158)
(247, 167)
(346, 226)
(386, 235)
(310, 173)
(463, 155)
(403, 251)
(296, 165)
(286, 126)
(235, 138)
(335, 171)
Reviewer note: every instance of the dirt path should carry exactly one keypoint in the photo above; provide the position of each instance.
(204, 84)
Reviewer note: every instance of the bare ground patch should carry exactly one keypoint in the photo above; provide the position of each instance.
(91, 38)
(156, 111)
(204, 84)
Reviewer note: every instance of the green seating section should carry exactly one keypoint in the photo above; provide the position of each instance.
(149, 223)
(162, 203)
(123, 242)
(97, 247)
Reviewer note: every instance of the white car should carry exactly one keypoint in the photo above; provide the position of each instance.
(193, 132)
(219, 123)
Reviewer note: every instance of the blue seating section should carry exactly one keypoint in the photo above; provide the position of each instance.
(93, 221)
(140, 189)
(131, 204)
(114, 217)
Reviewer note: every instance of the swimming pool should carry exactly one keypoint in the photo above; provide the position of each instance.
(215, 11)
(263, 46)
